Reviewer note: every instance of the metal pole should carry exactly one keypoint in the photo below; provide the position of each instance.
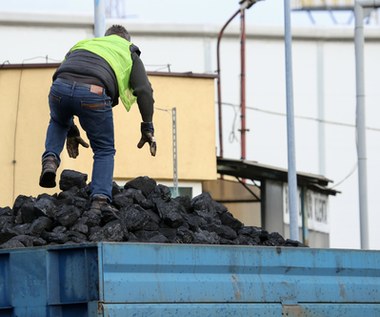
(100, 18)
(360, 125)
(360, 5)
(219, 89)
(244, 4)
(175, 158)
(304, 213)
(242, 85)
(292, 174)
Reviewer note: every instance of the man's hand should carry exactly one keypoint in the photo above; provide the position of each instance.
(147, 135)
(73, 140)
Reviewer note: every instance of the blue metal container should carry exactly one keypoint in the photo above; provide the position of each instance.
(140, 279)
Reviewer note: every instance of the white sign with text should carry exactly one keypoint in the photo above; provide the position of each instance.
(315, 207)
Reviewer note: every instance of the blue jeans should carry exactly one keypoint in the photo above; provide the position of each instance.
(68, 99)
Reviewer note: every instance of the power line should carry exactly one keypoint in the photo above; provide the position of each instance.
(302, 117)
(353, 169)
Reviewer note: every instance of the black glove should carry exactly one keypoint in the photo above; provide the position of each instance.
(147, 135)
(73, 140)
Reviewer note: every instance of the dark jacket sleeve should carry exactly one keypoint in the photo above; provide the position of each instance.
(141, 86)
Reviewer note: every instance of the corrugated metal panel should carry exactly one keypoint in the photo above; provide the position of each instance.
(149, 273)
(137, 279)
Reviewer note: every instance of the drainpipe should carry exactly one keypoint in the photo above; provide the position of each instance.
(99, 17)
(321, 109)
(360, 6)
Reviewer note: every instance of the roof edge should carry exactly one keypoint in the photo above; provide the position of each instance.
(257, 171)
(150, 73)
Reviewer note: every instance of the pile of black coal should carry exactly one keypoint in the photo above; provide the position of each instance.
(141, 211)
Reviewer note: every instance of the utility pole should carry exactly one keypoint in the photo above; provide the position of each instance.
(360, 7)
(99, 18)
(292, 172)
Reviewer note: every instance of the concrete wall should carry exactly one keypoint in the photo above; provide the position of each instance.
(25, 112)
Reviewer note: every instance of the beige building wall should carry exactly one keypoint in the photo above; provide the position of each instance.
(24, 106)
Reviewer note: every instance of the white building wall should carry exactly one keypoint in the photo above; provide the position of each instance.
(316, 52)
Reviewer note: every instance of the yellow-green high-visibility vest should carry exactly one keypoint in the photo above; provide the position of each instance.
(115, 50)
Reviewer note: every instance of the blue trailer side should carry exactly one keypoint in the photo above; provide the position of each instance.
(145, 279)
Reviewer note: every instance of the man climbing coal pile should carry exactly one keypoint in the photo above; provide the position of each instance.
(88, 84)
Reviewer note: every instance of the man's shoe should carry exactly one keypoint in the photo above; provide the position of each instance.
(49, 169)
(98, 204)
